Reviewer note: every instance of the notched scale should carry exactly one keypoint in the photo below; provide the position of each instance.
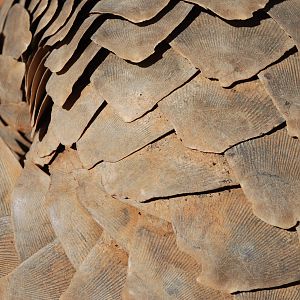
(32, 227)
(287, 15)
(17, 32)
(282, 82)
(157, 267)
(210, 118)
(268, 170)
(139, 89)
(68, 125)
(236, 250)
(135, 42)
(162, 169)
(230, 53)
(133, 10)
(45, 275)
(232, 10)
(97, 143)
(100, 276)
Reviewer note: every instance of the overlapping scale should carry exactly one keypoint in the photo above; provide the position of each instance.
(18, 22)
(60, 56)
(282, 82)
(101, 275)
(4, 11)
(39, 10)
(116, 218)
(66, 20)
(96, 143)
(232, 10)
(11, 77)
(139, 89)
(268, 170)
(156, 263)
(163, 169)
(287, 15)
(134, 10)
(62, 17)
(10, 170)
(32, 227)
(69, 125)
(70, 220)
(44, 276)
(201, 112)
(47, 17)
(8, 255)
(16, 115)
(230, 53)
(135, 42)
(17, 143)
(237, 251)
(59, 86)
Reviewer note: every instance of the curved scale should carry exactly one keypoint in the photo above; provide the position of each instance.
(70, 220)
(16, 115)
(210, 118)
(44, 276)
(287, 15)
(11, 77)
(14, 140)
(136, 43)
(32, 227)
(9, 259)
(59, 87)
(60, 20)
(100, 276)
(230, 53)
(156, 263)
(282, 82)
(162, 169)
(268, 170)
(232, 9)
(17, 22)
(39, 10)
(10, 170)
(60, 56)
(97, 144)
(236, 250)
(69, 20)
(116, 218)
(47, 17)
(69, 125)
(139, 89)
(133, 10)
(7, 4)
